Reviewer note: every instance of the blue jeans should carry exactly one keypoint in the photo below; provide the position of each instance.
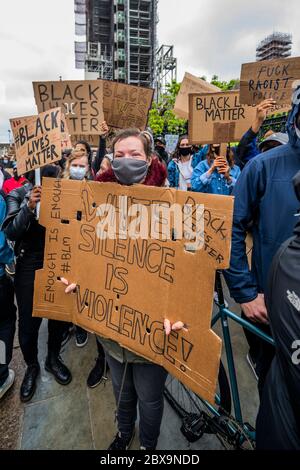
(144, 385)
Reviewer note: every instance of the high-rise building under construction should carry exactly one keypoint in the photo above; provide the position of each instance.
(116, 39)
(275, 46)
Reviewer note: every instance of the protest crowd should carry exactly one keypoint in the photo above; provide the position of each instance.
(262, 173)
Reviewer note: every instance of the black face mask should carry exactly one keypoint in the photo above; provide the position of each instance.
(185, 151)
(160, 150)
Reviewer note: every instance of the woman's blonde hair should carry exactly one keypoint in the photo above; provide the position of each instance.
(73, 156)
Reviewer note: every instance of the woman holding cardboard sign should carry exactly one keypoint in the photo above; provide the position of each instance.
(78, 168)
(136, 381)
(180, 168)
(216, 174)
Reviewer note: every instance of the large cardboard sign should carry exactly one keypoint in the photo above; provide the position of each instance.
(38, 139)
(81, 102)
(65, 136)
(190, 84)
(126, 286)
(218, 118)
(269, 79)
(125, 105)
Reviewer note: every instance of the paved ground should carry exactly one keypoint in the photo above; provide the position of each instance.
(75, 417)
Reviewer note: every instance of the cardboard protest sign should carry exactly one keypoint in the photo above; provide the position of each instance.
(127, 286)
(171, 142)
(269, 79)
(65, 136)
(218, 118)
(81, 102)
(279, 108)
(93, 140)
(190, 84)
(37, 139)
(126, 105)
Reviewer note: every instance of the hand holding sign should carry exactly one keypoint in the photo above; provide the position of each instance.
(70, 287)
(177, 326)
(216, 164)
(35, 197)
(261, 113)
(104, 129)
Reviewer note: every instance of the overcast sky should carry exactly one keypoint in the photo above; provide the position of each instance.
(209, 36)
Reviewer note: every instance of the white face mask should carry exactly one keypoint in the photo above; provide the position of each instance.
(77, 173)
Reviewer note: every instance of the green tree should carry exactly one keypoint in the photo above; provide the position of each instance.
(223, 85)
(162, 119)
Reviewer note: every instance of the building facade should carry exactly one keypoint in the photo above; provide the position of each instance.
(275, 46)
(117, 39)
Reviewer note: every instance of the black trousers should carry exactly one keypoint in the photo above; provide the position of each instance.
(27, 264)
(261, 352)
(7, 325)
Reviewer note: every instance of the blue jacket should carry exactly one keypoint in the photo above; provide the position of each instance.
(215, 183)
(6, 253)
(173, 170)
(264, 199)
(247, 148)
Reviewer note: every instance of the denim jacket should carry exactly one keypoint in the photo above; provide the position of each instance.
(214, 183)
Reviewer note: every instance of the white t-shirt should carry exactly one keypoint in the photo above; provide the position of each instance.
(185, 174)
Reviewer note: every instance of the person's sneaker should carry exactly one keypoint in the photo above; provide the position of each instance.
(120, 443)
(216, 300)
(252, 365)
(97, 373)
(81, 337)
(8, 383)
(147, 448)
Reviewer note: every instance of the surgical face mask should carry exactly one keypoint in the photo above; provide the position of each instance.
(185, 151)
(129, 170)
(5, 161)
(77, 173)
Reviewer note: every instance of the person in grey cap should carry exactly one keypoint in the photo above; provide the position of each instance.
(274, 140)
(248, 147)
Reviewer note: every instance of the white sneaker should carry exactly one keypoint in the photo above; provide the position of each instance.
(8, 383)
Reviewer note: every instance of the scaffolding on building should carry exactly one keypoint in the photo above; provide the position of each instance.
(121, 39)
(99, 60)
(166, 69)
(80, 32)
(141, 39)
(275, 46)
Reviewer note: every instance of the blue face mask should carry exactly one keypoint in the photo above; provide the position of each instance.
(77, 173)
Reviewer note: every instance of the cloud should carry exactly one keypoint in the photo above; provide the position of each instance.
(217, 36)
(210, 37)
(36, 43)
